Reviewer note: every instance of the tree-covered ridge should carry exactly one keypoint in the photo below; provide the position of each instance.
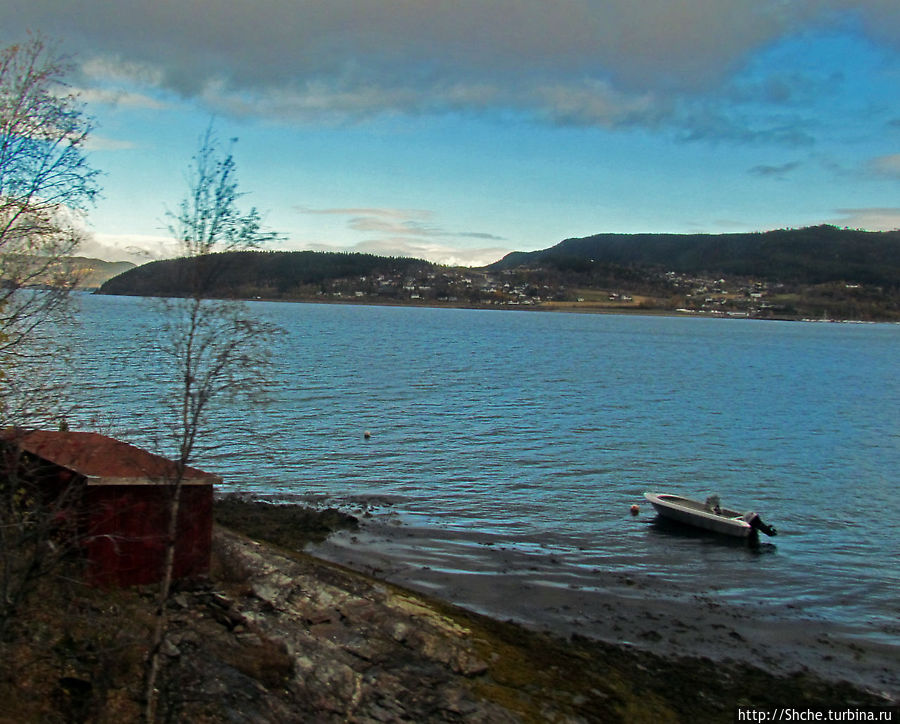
(91, 273)
(271, 274)
(812, 255)
(821, 272)
(64, 271)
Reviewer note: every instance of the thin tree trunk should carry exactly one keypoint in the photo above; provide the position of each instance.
(162, 619)
(209, 342)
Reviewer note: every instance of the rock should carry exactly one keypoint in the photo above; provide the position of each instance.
(469, 665)
(180, 638)
(361, 650)
(168, 648)
(271, 589)
(400, 631)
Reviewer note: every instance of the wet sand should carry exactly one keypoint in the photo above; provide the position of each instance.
(531, 588)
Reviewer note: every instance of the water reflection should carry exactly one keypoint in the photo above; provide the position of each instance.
(665, 530)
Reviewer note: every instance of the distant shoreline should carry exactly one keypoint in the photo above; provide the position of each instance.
(570, 308)
(555, 307)
(788, 274)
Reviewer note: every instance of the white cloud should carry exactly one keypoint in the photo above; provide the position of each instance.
(409, 232)
(121, 98)
(102, 143)
(436, 253)
(137, 248)
(873, 219)
(143, 248)
(111, 68)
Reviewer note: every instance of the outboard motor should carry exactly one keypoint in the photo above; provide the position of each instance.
(757, 524)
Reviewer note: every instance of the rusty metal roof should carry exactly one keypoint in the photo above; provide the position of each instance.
(103, 460)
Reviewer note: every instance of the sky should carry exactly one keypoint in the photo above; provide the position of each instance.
(459, 131)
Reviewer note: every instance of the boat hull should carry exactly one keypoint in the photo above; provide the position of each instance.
(694, 513)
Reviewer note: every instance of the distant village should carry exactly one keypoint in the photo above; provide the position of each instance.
(660, 291)
(450, 286)
(717, 297)
(799, 290)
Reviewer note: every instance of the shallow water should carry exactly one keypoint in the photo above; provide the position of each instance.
(538, 431)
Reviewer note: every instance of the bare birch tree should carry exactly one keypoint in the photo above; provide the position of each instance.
(45, 183)
(216, 348)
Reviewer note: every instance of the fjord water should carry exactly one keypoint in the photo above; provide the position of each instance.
(537, 431)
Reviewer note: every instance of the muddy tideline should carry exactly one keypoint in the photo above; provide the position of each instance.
(276, 635)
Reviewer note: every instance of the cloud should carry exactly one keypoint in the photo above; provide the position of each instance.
(706, 122)
(120, 69)
(778, 171)
(121, 98)
(411, 227)
(366, 211)
(872, 219)
(597, 103)
(136, 248)
(143, 248)
(596, 61)
(400, 222)
(410, 232)
(436, 253)
(102, 143)
(885, 166)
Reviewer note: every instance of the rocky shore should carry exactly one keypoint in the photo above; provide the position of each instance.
(688, 660)
(278, 635)
(348, 647)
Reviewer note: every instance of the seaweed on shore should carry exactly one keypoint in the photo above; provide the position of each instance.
(288, 526)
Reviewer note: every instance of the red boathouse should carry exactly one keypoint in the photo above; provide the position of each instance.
(119, 495)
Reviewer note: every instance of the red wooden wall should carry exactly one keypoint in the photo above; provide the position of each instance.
(126, 532)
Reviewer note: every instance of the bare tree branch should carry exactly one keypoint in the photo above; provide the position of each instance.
(46, 183)
(216, 349)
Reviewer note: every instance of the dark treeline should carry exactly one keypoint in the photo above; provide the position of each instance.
(813, 255)
(271, 274)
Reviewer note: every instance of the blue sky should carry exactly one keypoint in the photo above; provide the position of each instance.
(459, 131)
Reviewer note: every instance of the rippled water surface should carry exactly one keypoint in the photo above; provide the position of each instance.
(542, 429)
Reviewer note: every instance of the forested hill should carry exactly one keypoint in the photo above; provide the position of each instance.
(819, 272)
(812, 255)
(271, 274)
(92, 273)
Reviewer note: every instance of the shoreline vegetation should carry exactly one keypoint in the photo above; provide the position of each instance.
(814, 274)
(276, 634)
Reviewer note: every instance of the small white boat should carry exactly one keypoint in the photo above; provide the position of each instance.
(709, 515)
